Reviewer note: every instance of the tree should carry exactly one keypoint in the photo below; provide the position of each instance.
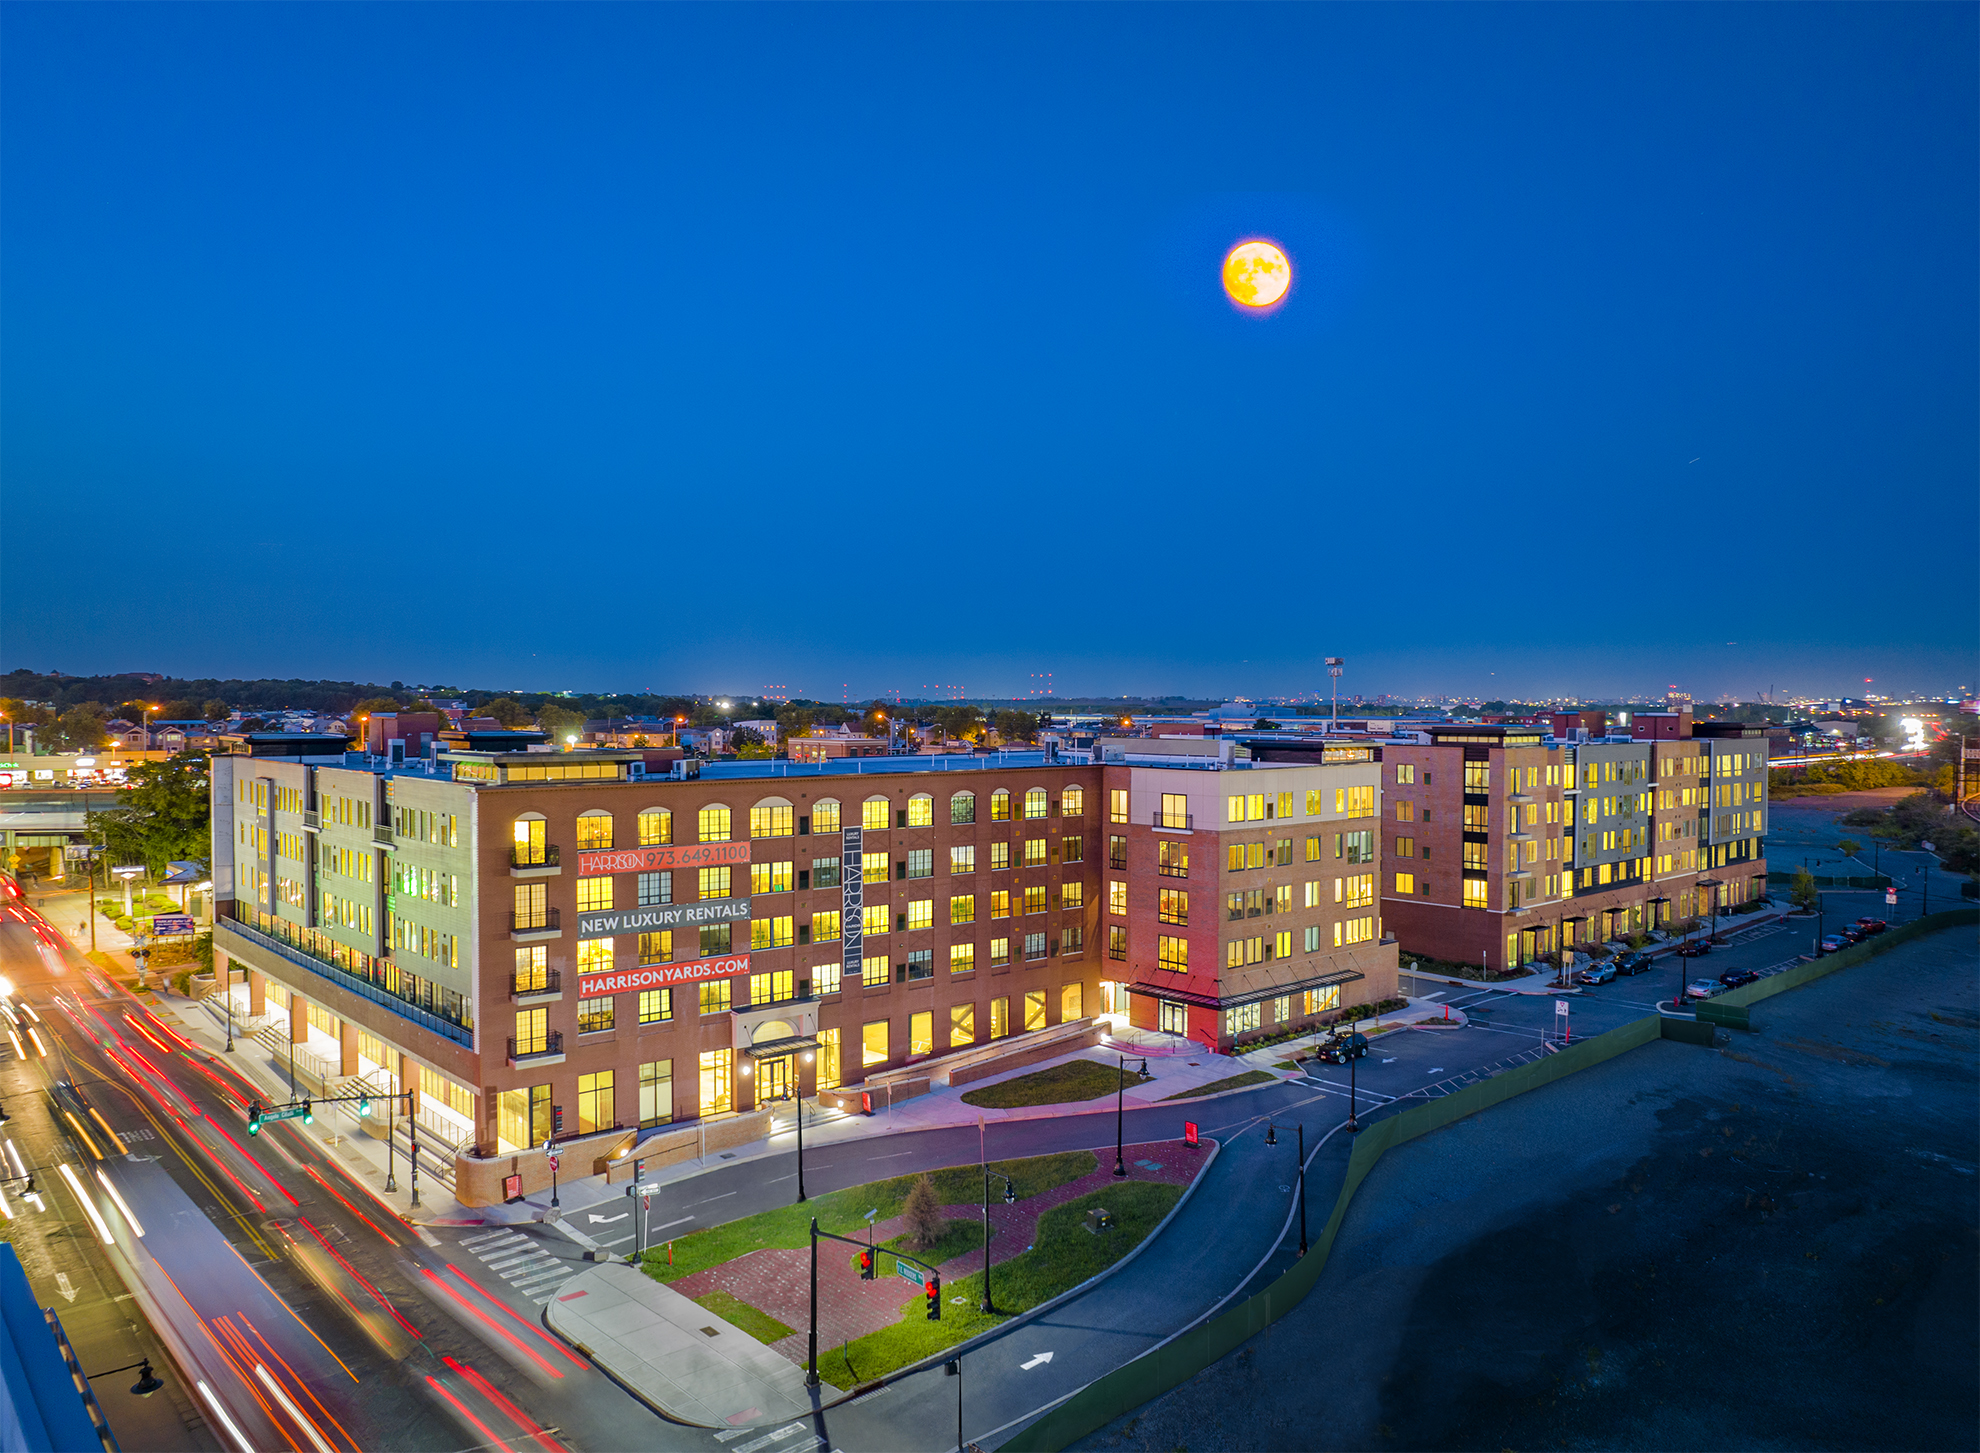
(875, 720)
(795, 721)
(559, 722)
(374, 703)
(959, 723)
(81, 728)
(745, 737)
(1805, 894)
(1017, 726)
(1849, 847)
(923, 1215)
(214, 709)
(505, 709)
(163, 815)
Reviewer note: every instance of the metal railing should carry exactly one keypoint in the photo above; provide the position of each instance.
(552, 983)
(533, 855)
(1175, 821)
(382, 835)
(551, 1043)
(347, 980)
(312, 821)
(542, 921)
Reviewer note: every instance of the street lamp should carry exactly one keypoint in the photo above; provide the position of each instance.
(1120, 1089)
(1272, 1138)
(1010, 1198)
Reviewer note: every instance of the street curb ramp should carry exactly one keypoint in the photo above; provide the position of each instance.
(1171, 1363)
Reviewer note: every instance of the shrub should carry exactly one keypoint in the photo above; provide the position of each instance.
(923, 1215)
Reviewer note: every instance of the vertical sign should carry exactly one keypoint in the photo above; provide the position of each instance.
(852, 902)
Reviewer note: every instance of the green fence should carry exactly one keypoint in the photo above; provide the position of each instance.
(1183, 1356)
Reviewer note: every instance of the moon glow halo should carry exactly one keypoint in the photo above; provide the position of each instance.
(1256, 275)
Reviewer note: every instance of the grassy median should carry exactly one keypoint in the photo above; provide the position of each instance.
(1064, 1255)
(1079, 1079)
(845, 1211)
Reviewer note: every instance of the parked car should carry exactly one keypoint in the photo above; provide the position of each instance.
(1600, 973)
(1694, 948)
(1834, 943)
(1872, 925)
(1734, 978)
(1338, 1049)
(1701, 989)
(1632, 963)
(1853, 933)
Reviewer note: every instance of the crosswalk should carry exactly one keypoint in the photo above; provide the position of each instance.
(520, 1261)
(1484, 1072)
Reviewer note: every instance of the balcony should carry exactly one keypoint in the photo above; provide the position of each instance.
(381, 835)
(344, 979)
(1173, 821)
(530, 927)
(548, 988)
(534, 860)
(312, 821)
(548, 1050)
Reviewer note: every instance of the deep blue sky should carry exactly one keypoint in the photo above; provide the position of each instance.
(717, 346)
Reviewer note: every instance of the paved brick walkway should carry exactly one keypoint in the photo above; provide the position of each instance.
(778, 1281)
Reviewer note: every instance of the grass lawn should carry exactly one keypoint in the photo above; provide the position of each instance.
(844, 1211)
(738, 1313)
(1079, 1079)
(1234, 1082)
(958, 1236)
(1065, 1255)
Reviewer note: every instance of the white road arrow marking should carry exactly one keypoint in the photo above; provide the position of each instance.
(1436, 1069)
(1041, 1357)
(62, 1281)
(606, 1220)
(1388, 1061)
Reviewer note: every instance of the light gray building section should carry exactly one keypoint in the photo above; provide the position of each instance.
(1739, 770)
(1624, 785)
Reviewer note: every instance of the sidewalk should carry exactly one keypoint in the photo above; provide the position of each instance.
(679, 1358)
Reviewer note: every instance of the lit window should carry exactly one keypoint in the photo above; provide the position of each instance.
(962, 958)
(1000, 806)
(1034, 899)
(594, 830)
(962, 908)
(1034, 1010)
(1117, 897)
(1172, 953)
(656, 826)
(825, 815)
(1000, 905)
(921, 810)
(825, 925)
(657, 948)
(1074, 894)
(714, 882)
(1035, 801)
(873, 1043)
(873, 814)
(962, 860)
(656, 1006)
(713, 823)
(773, 820)
(1034, 852)
(921, 914)
(962, 1025)
(1072, 802)
(962, 808)
(875, 919)
(594, 1015)
(714, 996)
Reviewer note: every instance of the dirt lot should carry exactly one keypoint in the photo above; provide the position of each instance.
(1771, 1245)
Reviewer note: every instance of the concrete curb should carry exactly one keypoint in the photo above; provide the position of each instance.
(947, 1353)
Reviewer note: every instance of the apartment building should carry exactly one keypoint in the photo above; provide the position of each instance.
(1505, 842)
(561, 944)
(1242, 895)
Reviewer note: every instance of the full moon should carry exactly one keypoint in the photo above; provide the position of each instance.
(1256, 274)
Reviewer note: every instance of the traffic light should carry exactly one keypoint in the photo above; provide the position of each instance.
(308, 1119)
(866, 1266)
(932, 1289)
(364, 1107)
(254, 1117)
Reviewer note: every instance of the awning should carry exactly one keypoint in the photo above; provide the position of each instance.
(778, 1048)
(1250, 996)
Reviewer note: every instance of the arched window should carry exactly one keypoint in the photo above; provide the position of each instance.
(530, 847)
(594, 829)
(873, 814)
(1000, 806)
(656, 827)
(1035, 800)
(772, 817)
(962, 807)
(825, 815)
(1072, 802)
(713, 822)
(921, 810)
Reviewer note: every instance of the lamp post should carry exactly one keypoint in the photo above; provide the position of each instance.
(797, 1098)
(231, 970)
(1272, 1138)
(550, 1154)
(1010, 1198)
(1120, 1091)
(1925, 883)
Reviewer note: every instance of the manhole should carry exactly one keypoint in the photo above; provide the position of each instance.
(710, 1332)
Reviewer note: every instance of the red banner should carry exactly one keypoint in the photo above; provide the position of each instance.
(660, 976)
(652, 860)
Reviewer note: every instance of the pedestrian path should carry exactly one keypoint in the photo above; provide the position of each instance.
(521, 1261)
